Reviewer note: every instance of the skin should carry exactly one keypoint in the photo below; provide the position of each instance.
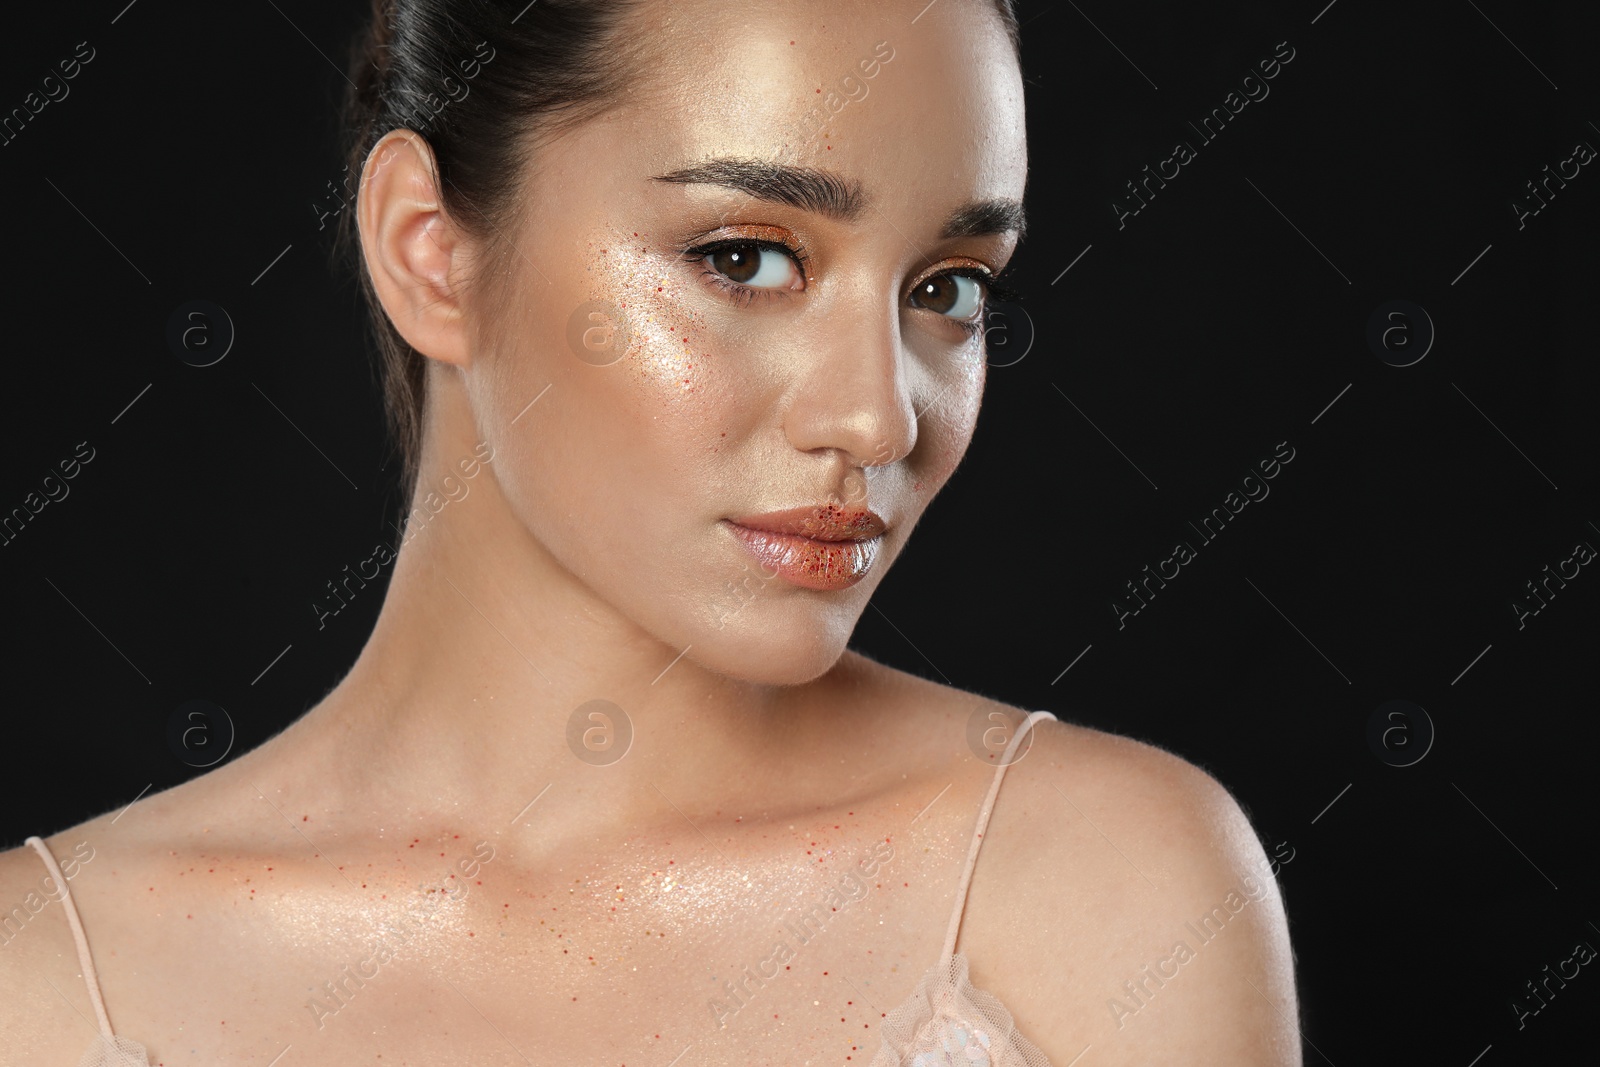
(586, 560)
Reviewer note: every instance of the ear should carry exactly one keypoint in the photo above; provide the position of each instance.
(416, 255)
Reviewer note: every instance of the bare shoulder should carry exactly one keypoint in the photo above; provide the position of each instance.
(1122, 900)
(1133, 907)
(45, 1012)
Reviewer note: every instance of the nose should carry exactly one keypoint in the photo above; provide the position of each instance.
(853, 393)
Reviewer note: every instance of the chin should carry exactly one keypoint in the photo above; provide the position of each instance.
(776, 647)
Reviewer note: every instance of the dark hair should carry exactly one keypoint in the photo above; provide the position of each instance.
(483, 82)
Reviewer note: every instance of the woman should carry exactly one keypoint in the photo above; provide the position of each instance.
(679, 341)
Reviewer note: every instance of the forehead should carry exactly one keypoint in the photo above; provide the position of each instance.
(904, 98)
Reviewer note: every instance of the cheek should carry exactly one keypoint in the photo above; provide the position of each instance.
(945, 429)
(679, 382)
(628, 435)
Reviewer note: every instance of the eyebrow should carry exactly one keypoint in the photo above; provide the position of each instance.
(828, 194)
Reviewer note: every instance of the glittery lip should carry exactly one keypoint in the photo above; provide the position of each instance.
(819, 522)
(824, 547)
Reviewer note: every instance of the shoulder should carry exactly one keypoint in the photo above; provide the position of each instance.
(1127, 886)
(1122, 900)
(45, 1012)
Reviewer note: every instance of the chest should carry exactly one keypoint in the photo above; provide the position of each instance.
(622, 955)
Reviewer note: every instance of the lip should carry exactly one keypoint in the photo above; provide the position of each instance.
(821, 546)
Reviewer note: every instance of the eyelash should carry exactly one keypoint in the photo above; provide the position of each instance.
(742, 295)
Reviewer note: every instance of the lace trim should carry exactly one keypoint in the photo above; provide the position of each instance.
(115, 1051)
(949, 1022)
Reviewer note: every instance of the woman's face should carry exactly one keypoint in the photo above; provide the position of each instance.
(752, 289)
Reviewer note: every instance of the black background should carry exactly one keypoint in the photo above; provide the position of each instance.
(1224, 318)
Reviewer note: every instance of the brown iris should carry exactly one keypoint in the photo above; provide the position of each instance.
(740, 263)
(938, 294)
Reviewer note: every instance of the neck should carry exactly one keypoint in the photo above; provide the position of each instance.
(478, 689)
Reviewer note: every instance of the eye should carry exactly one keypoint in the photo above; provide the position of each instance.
(958, 296)
(754, 265)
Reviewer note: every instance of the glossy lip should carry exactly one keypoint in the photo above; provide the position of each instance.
(822, 546)
(819, 522)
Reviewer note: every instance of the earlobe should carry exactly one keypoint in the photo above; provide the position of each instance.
(413, 251)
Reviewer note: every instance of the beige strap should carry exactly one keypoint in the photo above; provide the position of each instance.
(85, 961)
(983, 822)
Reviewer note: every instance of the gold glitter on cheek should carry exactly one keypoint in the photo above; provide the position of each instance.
(667, 350)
